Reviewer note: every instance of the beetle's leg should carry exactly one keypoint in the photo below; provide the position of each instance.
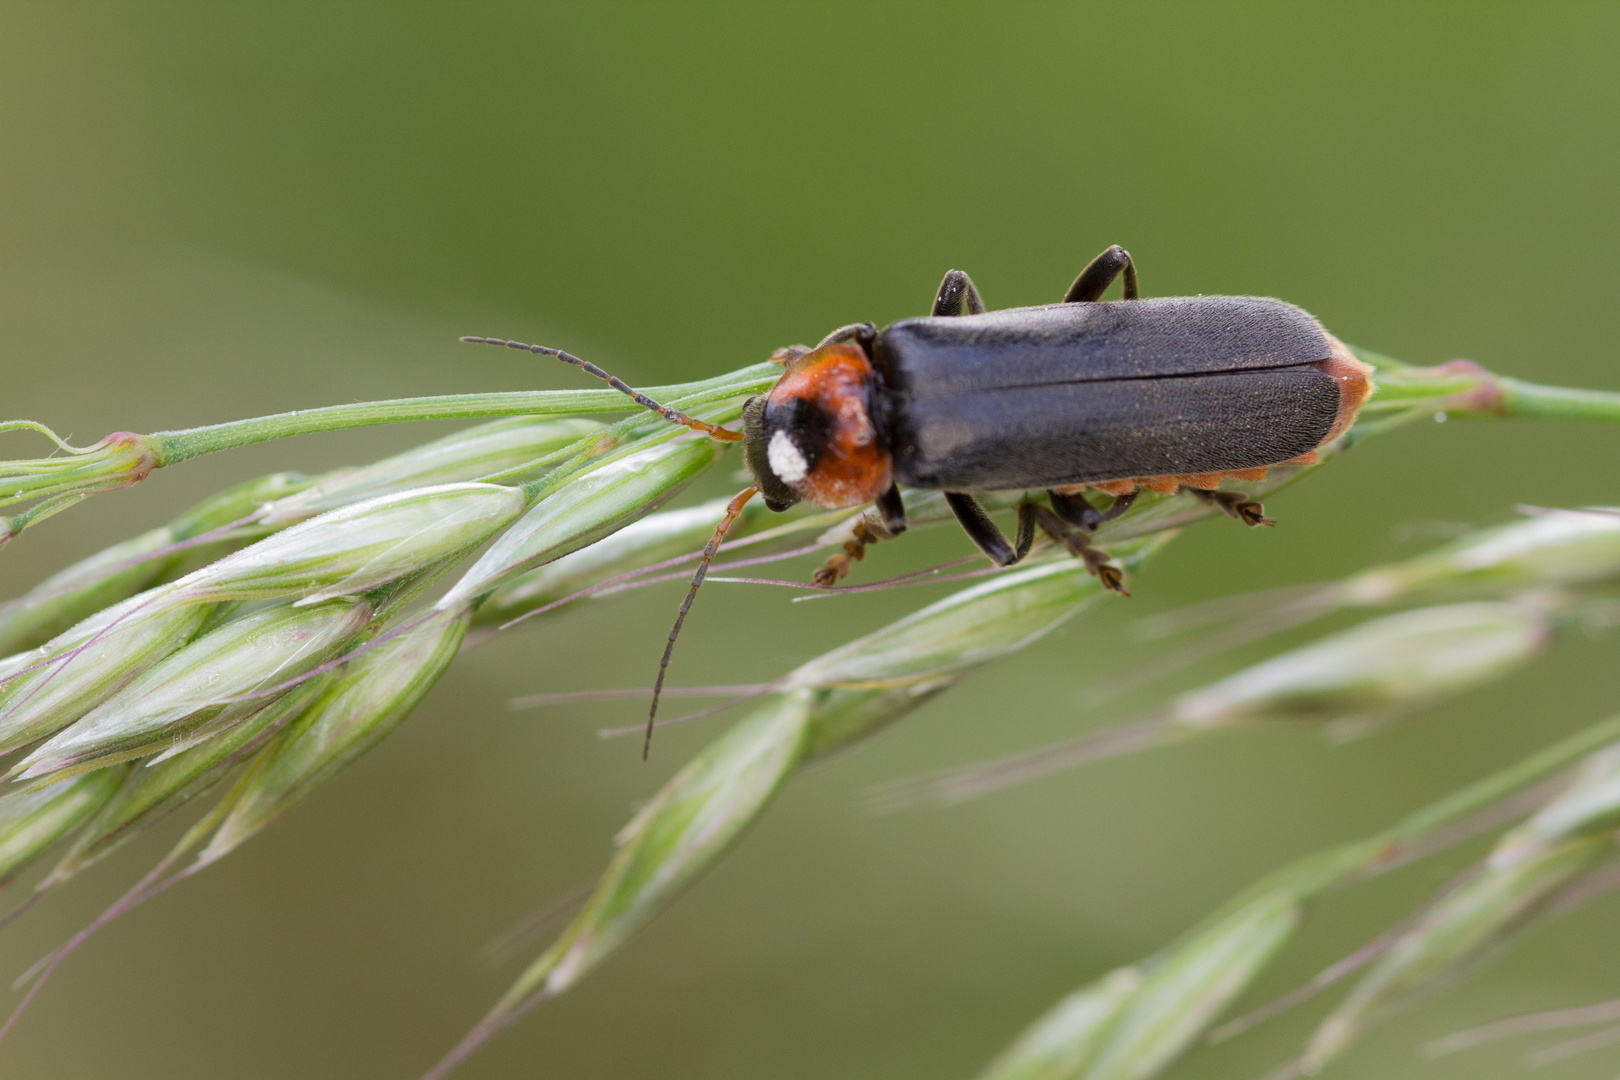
(1100, 273)
(1119, 505)
(1077, 510)
(984, 534)
(867, 531)
(890, 524)
(957, 296)
(1234, 504)
(1079, 546)
(893, 511)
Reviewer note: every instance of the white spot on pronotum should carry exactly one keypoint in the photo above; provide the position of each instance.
(787, 461)
(1439, 417)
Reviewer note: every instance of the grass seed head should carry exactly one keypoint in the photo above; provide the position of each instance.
(150, 792)
(124, 569)
(1552, 547)
(1062, 1043)
(1590, 803)
(586, 508)
(975, 626)
(675, 837)
(85, 666)
(1458, 928)
(363, 703)
(1388, 664)
(204, 687)
(656, 537)
(500, 450)
(1188, 986)
(32, 821)
(358, 548)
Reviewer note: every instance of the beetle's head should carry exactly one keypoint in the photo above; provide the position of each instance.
(811, 435)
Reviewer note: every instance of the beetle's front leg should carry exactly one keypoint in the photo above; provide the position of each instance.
(890, 523)
(1100, 273)
(1234, 504)
(957, 296)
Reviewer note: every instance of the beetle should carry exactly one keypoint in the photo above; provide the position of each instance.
(1166, 394)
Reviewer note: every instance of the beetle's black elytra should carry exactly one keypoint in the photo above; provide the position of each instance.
(1163, 394)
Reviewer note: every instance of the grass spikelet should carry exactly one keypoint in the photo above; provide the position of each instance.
(205, 687)
(1566, 549)
(1176, 994)
(1351, 680)
(1395, 661)
(587, 507)
(500, 451)
(1186, 985)
(63, 680)
(1478, 914)
(1060, 1044)
(357, 548)
(669, 535)
(207, 530)
(366, 700)
(1591, 802)
(32, 821)
(1549, 547)
(152, 791)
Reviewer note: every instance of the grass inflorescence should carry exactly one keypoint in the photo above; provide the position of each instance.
(258, 644)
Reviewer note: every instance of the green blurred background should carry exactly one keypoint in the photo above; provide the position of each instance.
(209, 212)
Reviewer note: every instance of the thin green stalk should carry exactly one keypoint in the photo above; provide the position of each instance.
(175, 446)
(1558, 402)
(1464, 388)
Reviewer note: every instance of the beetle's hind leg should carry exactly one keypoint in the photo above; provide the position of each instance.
(1078, 543)
(1100, 273)
(890, 523)
(1234, 504)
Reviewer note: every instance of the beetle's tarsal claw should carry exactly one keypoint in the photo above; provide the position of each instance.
(836, 568)
(1107, 573)
(1234, 504)
(1253, 514)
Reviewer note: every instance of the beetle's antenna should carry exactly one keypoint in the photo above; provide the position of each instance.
(674, 416)
(733, 508)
